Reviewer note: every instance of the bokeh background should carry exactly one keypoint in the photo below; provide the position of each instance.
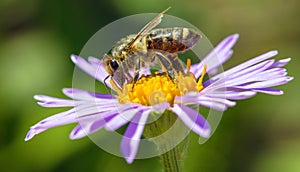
(261, 134)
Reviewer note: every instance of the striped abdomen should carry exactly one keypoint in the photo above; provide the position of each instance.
(172, 39)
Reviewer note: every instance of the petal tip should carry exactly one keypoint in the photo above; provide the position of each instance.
(288, 59)
(206, 133)
(274, 52)
(129, 160)
(40, 103)
(288, 79)
(280, 92)
(77, 133)
(72, 136)
(232, 38)
(37, 97)
(29, 136)
(67, 90)
(235, 36)
(74, 58)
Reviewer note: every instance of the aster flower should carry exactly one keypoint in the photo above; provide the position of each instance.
(157, 92)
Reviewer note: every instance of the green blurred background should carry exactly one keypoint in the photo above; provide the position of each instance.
(260, 134)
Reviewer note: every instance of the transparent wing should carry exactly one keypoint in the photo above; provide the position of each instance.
(122, 75)
(119, 77)
(148, 27)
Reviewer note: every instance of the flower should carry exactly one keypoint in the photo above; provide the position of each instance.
(157, 92)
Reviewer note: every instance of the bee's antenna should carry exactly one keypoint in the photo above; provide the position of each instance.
(164, 11)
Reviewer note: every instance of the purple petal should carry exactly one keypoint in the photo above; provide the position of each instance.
(221, 53)
(160, 107)
(215, 103)
(47, 101)
(88, 127)
(87, 95)
(232, 95)
(271, 91)
(281, 63)
(123, 118)
(132, 136)
(240, 76)
(192, 119)
(30, 134)
(42, 125)
(95, 62)
(245, 65)
(85, 112)
(97, 72)
(220, 104)
(62, 118)
(213, 71)
(271, 74)
(267, 83)
(251, 78)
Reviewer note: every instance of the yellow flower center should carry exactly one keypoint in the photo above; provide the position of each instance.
(159, 87)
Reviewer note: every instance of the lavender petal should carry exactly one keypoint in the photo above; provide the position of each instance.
(131, 138)
(88, 127)
(87, 95)
(96, 62)
(213, 71)
(271, 91)
(232, 95)
(221, 53)
(42, 125)
(281, 63)
(47, 101)
(220, 104)
(245, 65)
(81, 113)
(123, 118)
(240, 77)
(267, 83)
(192, 119)
(97, 72)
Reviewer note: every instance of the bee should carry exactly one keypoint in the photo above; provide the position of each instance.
(147, 46)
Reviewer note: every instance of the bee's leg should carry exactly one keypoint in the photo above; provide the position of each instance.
(176, 64)
(137, 68)
(166, 64)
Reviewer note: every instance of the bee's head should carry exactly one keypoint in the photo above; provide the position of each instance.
(110, 64)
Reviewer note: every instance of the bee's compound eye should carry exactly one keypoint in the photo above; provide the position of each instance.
(114, 64)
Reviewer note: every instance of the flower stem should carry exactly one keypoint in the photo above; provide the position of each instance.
(171, 152)
(171, 160)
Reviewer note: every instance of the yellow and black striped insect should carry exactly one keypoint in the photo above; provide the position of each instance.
(149, 45)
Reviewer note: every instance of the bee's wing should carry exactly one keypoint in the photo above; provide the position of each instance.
(119, 77)
(148, 27)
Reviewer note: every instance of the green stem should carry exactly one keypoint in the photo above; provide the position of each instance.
(171, 160)
(171, 155)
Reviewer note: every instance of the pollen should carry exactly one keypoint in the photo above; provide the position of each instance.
(150, 90)
(158, 88)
